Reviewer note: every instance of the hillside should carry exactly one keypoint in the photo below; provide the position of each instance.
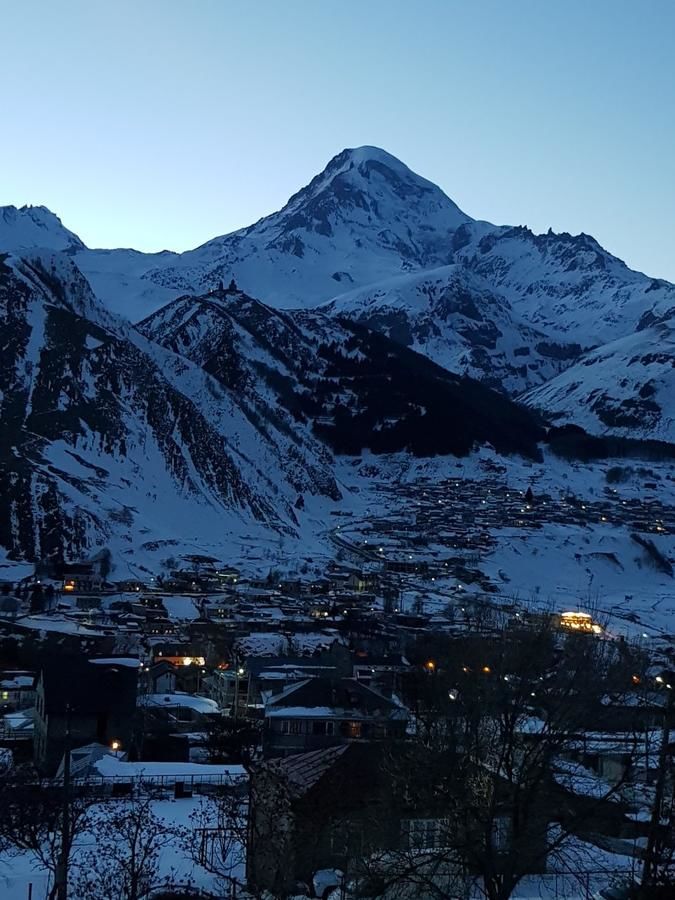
(109, 439)
(624, 387)
(355, 388)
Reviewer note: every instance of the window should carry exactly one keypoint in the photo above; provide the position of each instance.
(351, 729)
(423, 834)
(501, 833)
(322, 728)
(290, 726)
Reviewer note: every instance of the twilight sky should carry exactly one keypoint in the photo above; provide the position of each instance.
(162, 123)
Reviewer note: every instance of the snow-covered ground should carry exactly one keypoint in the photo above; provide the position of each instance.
(18, 872)
(560, 565)
(596, 565)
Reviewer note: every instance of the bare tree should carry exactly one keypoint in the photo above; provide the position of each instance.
(218, 838)
(124, 859)
(230, 740)
(33, 817)
(498, 722)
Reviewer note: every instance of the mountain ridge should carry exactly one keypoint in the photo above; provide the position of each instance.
(370, 240)
(216, 417)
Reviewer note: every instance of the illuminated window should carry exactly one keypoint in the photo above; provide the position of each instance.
(352, 729)
(579, 621)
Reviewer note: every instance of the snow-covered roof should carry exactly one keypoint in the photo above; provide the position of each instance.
(191, 701)
(322, 698)
(128, 661)
(18, 721)
(57, 623)
(311, 712)
(112, 767)
(19, 681)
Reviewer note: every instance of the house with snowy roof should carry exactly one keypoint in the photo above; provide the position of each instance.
(324, 712)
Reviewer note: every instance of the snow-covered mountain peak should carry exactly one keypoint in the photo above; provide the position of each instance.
(364, 218)
(367, 185)
(26, 227)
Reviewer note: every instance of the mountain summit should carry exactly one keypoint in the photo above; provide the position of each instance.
(366, 186)
(28, 227)
(366, 217)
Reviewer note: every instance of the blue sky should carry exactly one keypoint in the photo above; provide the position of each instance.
(162, 123)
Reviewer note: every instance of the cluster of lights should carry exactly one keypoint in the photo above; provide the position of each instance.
(579, 621)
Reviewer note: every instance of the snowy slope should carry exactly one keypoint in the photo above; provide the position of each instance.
(626, 386)
(116, 276)
(453, 318)
(208, 422)
(110, 439)
(353, 387)
(566, 285)
(34, 226)
(117, 279)
(364, 218)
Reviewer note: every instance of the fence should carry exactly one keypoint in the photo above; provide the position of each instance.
(179, 785)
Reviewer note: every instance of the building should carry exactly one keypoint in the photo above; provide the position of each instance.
(376, 814)
(160, 677)
(300, 790)
(17, 690)
(82, 577)
(322, 712)
(83, 701)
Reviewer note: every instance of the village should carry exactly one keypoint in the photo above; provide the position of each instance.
(207, 682)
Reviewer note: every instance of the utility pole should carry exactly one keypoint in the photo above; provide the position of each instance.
(653, 841)
(236, 687)
(61, 877)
